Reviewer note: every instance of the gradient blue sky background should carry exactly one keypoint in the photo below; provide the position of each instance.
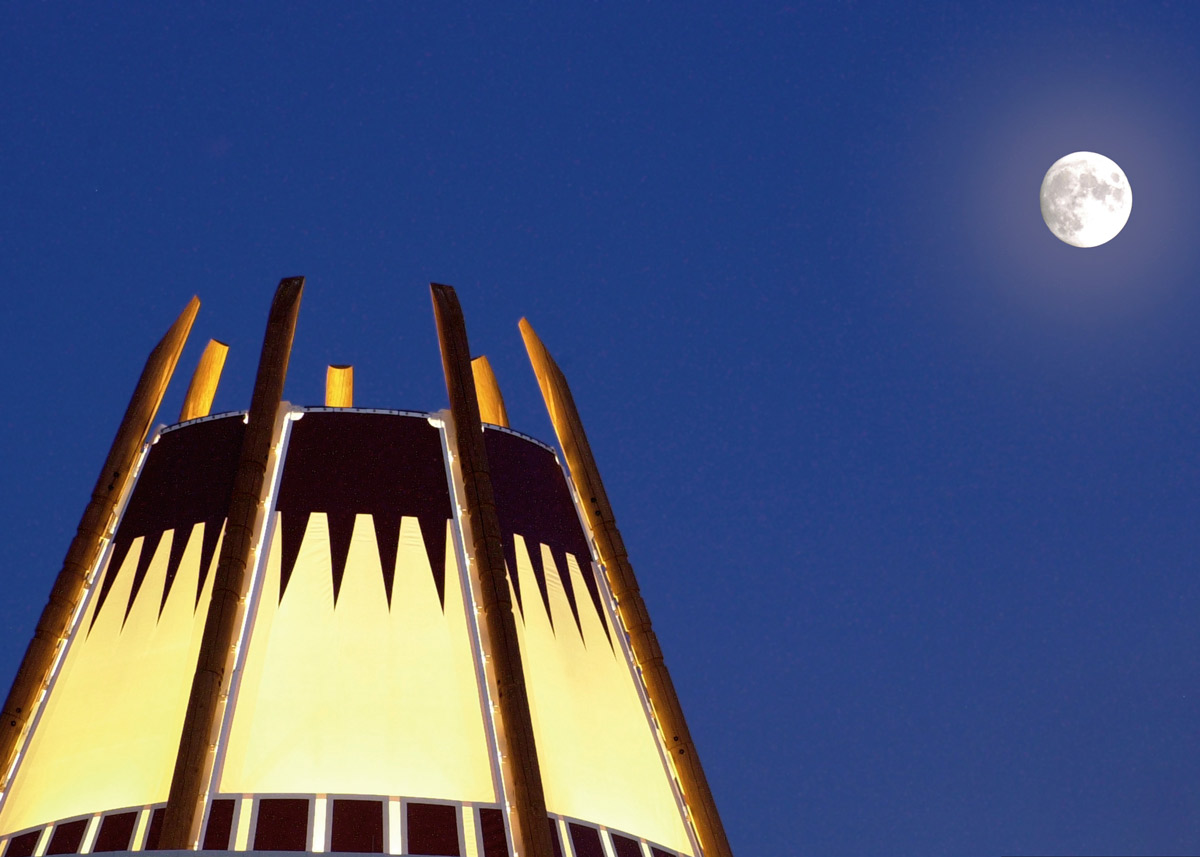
(910, 485)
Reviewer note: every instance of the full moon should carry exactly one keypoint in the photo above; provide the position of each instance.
(1086, 199)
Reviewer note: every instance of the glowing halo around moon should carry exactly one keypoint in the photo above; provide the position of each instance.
(1086, 199)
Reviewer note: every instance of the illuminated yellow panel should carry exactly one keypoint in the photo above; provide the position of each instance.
(358, 699)
(598, 755)
(110, 730)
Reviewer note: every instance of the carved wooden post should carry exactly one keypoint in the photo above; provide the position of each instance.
(181, 822)
(55, 620)
(531, 831)
(646, 650)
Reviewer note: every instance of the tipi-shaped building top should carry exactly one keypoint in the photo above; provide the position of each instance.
(334, 629)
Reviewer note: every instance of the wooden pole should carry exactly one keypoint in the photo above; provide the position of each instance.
(531, 831)
(54, 624)
(184, 809)
(635, 617)
(200, 393)
(339, 387)
(487, 389)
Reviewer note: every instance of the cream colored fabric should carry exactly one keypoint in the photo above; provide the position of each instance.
(357, 699)
(109, 733)
(598, 754)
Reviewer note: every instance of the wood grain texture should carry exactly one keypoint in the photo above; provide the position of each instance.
(98, 515)
(200, 393)
(339, 387)
(184, 808)
(531, 833)
(632, 608)
(487, 389)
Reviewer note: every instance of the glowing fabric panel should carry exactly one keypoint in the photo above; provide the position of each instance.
(360, 698)
(598, 755)
(344, 463)
(108, 735)
(186, 479)
(533, 501)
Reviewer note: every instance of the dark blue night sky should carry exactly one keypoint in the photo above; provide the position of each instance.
(911, 487)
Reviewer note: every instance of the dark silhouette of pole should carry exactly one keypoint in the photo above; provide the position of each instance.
(531, 831)
(192, 764)
(55, 621)
(636, 619)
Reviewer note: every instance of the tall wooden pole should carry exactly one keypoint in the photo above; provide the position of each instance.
(200, 393)
(55, 620)
(182, 819)
(531, 831)
(635, 617)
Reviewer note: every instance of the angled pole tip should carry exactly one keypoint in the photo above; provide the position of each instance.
(487, 389)
(339, 386)
(181, 820)
(522, 773)
(55, 621)
(598, 514)
(200, 393)
(182, 325)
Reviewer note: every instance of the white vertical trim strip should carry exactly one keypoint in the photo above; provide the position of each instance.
(320, 824)
(139, 832)
(89, 835)
(471, 833)
(43, 842)
(244, 820)
(564, 835)
(395, 827)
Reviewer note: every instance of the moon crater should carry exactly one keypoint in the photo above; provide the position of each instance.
(1086, 199)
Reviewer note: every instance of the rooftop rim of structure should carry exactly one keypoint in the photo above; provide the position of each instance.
(314, 409)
